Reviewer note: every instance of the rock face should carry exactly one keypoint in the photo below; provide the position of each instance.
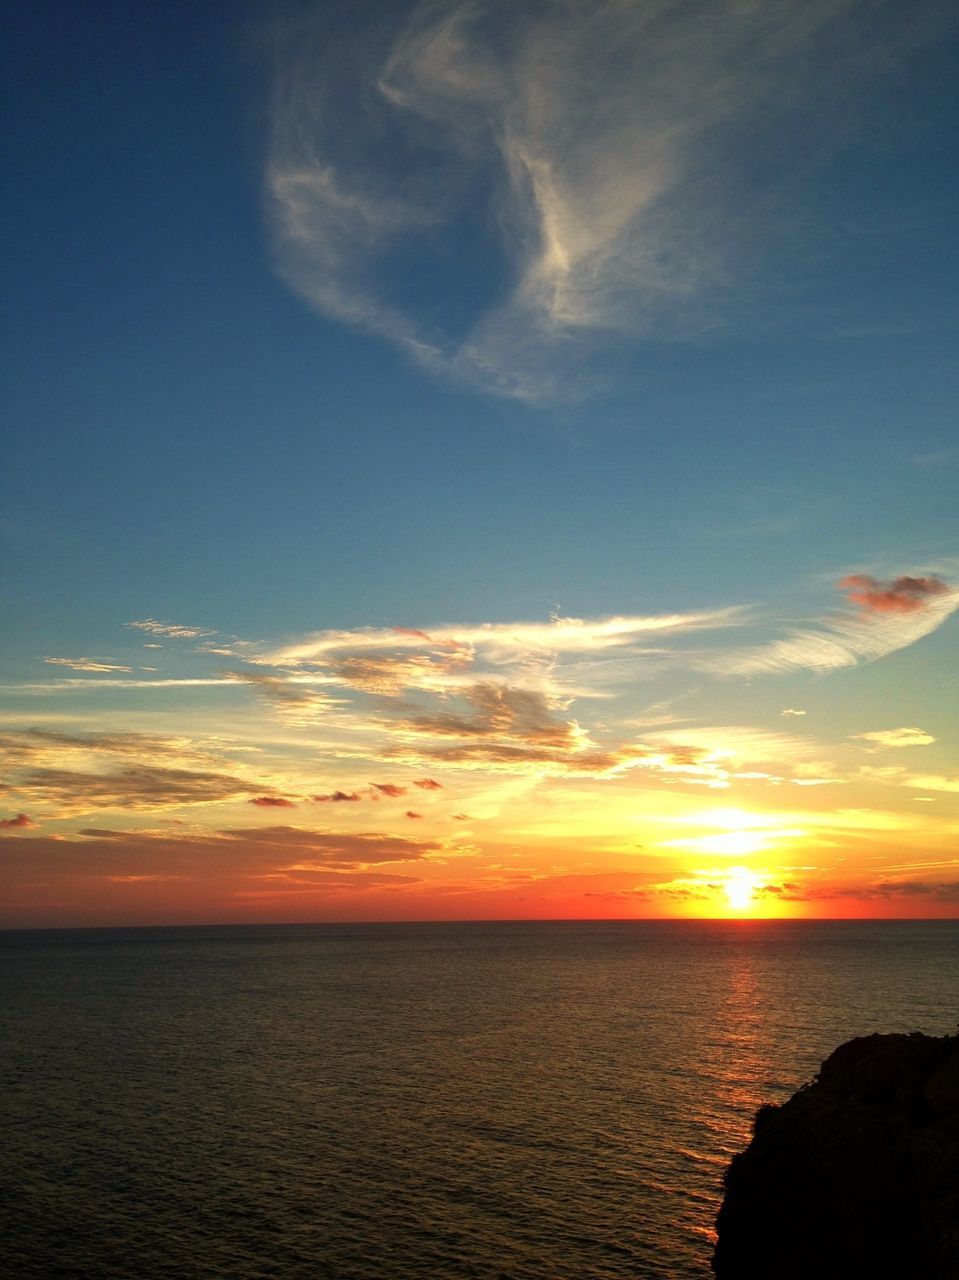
(856, 1176)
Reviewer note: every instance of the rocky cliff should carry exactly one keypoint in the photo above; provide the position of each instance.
(856, 1176)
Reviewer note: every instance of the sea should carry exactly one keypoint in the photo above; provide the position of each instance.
(507, 1101)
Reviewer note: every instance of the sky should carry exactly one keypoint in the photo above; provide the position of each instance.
(478, 460)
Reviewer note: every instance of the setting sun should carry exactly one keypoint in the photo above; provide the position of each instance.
(740, 886)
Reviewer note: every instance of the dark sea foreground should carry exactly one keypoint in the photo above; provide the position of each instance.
(531, 1101)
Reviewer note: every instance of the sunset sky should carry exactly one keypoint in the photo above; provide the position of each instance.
(479, 460)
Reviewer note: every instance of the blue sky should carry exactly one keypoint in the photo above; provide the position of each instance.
(324, 318)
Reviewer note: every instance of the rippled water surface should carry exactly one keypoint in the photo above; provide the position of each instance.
(515, 1101)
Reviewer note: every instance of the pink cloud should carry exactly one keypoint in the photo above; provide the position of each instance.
(388, 789)
(428, 784)
(21, 821)
(899, 595)
(272, 802)
(337, 797)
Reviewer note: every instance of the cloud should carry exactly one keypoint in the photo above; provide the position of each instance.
(272, 802)
(428, 784)
(499, 756)
(388, 675)
(911, 737)
(411, 813)
(229, 860)
(501, 712)
(91, 684)
(388, 789)
(496, 641)
(335, 847)
(18, 747)
(20, 822)
(375, 791)
(174, 630)
(86, 664)
(792, 711)
(930, 782)
(841, 640)
(293, 698)
(867, 891)
(900, 595)
(137, 787)
(592, 132)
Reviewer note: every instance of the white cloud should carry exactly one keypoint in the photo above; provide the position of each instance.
(86, 664)
(595, 131)
(896, 737)
(501, 640)
(172, 629)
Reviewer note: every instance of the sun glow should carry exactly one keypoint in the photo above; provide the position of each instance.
(740, 886)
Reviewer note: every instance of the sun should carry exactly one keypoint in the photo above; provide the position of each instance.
(740, 886)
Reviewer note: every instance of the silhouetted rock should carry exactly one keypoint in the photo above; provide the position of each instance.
(856, 1176)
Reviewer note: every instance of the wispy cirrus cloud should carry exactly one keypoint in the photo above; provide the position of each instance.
(87, 664)
(843, 639)
(172, 630)
(498, 641)
(590, 129)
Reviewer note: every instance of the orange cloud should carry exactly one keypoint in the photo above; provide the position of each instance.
(428, 784)
(411, 813)
(414, 632)
(899, 595)
(272, 802)
(21, 821)
(388, 789)
(338, 797)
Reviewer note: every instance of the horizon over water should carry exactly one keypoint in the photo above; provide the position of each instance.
(513, 1100)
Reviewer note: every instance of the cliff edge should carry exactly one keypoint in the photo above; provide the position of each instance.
(856, 1176)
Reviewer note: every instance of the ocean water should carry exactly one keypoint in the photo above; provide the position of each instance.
(497, 1101)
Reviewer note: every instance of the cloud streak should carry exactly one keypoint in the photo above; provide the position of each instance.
(844, 639)
(906, 737)
(173, 630)
(86, 664)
